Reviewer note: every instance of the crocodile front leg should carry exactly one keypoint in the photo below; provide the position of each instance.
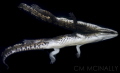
(73, 17)
(52, 55)
(78, 51)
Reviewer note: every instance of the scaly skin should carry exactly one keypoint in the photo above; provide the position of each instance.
(84, 33)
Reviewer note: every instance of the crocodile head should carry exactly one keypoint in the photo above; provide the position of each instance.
(99, 34)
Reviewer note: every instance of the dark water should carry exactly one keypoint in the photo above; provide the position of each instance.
(19, 25)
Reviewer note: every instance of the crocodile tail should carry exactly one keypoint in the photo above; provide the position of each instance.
(21, 47)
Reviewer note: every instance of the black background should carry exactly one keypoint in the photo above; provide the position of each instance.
(17, 25)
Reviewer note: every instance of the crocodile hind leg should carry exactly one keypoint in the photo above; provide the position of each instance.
(52, 55)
